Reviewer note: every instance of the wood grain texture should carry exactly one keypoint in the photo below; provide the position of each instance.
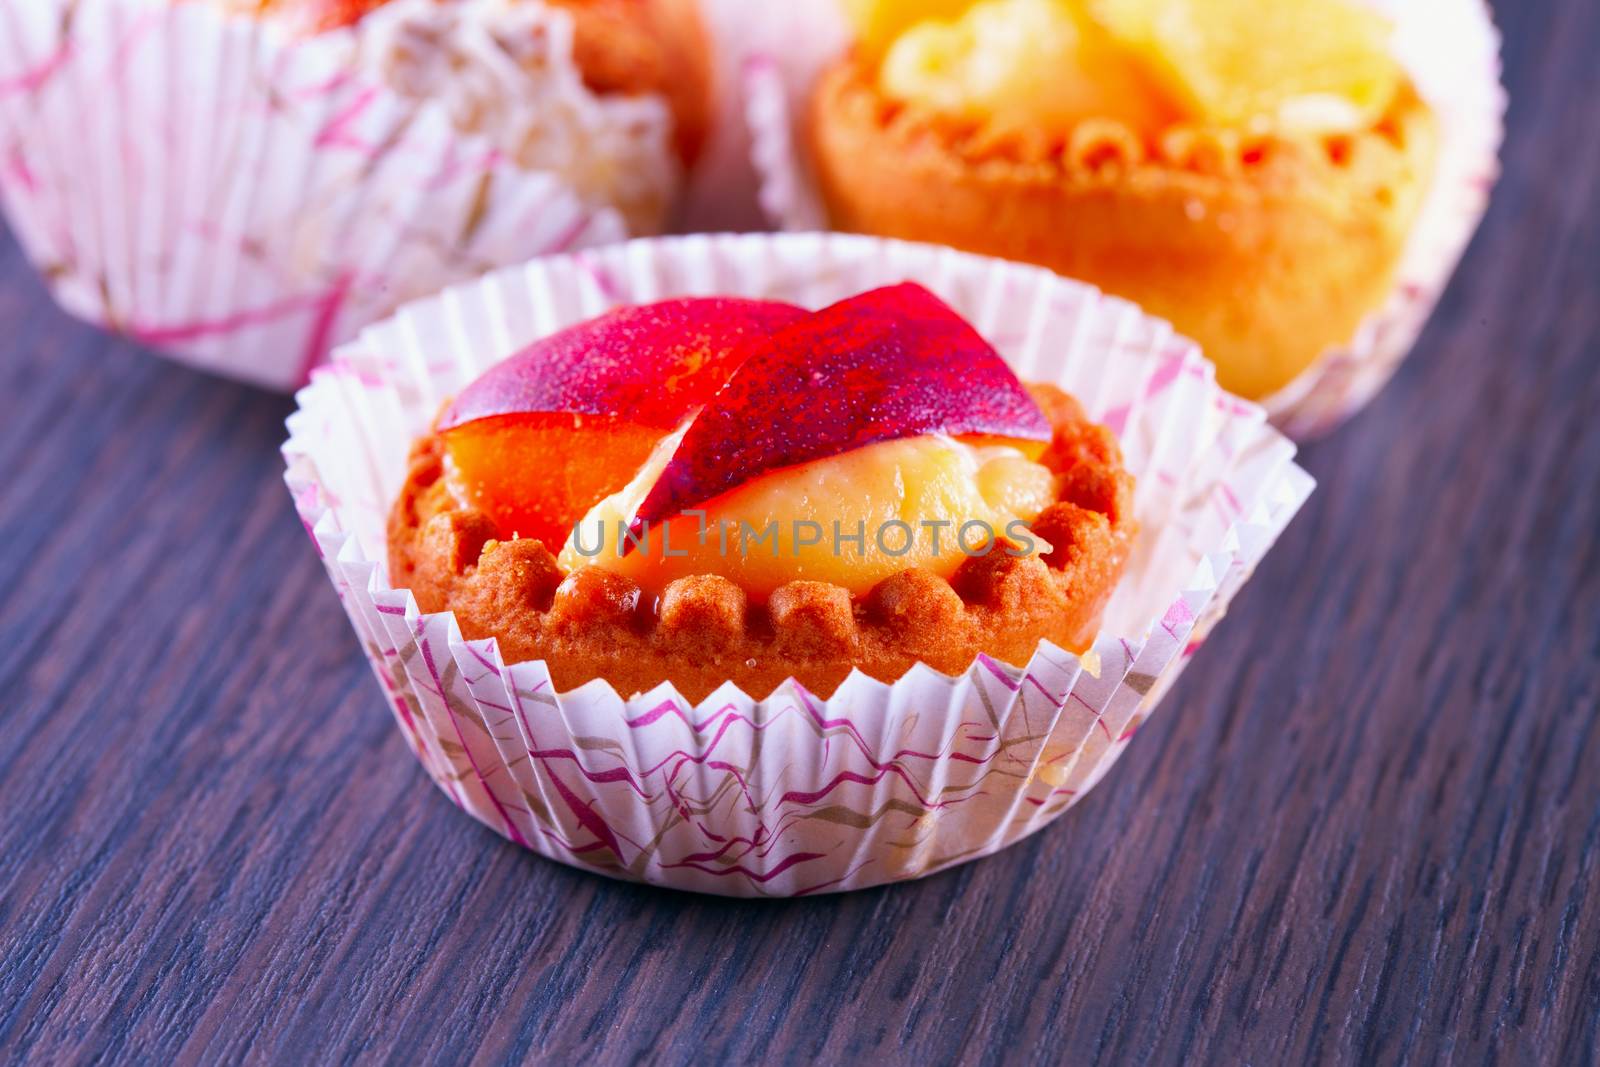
(1365, 828)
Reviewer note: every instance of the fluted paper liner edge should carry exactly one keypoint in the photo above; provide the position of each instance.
(792, 794)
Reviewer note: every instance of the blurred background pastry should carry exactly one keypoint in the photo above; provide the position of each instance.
(1250, 171)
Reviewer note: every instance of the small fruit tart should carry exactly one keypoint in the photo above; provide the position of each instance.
(712, 490)
(1250, 170)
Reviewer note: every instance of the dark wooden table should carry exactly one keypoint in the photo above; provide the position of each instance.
(1366, 827)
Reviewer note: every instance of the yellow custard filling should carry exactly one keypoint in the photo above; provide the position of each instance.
(850, 520)
(1049, 64)
(1026, 64)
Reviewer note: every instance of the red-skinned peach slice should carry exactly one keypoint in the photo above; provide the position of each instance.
(535, 475)
(541, 438)
(888, 364)
(652, 364)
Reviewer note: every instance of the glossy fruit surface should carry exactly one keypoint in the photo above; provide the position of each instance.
(850, 520)
(1027, 65)
(541, 438)
(879, 23)
(1238, 62)
(888, 364)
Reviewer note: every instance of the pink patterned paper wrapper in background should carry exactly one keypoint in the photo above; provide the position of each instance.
(1451, 50)
(244, 198)
(792, 794)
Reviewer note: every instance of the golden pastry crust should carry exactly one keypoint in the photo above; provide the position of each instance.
(702, 631)
(1266, 249)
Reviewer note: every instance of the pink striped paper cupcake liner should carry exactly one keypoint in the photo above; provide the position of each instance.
(792, 793)
(244, 198)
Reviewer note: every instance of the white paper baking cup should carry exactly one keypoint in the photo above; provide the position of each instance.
(243, 199)
(1451, 50)
(792, 794)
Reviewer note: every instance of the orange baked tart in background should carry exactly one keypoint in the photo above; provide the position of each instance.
(713, 490)
(1250, 170)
